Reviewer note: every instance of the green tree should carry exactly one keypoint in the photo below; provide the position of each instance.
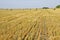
(58, 6)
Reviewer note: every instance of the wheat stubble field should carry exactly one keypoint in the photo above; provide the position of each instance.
(34, 24)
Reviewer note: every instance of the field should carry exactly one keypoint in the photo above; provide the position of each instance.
(30, 24)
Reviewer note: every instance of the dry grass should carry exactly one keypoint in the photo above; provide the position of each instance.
(34, 24)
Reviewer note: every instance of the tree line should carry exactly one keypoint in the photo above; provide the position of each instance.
(58, 6)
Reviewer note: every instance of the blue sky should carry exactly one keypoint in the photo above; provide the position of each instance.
(28, 3)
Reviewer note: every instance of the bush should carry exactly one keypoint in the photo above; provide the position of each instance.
(45, 8)
(11, 9)
(54, 9)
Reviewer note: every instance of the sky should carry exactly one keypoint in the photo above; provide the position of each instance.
(28, 3)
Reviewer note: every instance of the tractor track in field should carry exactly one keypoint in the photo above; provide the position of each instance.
(30, 29)
(36, 31)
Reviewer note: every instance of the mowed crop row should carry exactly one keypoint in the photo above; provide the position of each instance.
(40, 24)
